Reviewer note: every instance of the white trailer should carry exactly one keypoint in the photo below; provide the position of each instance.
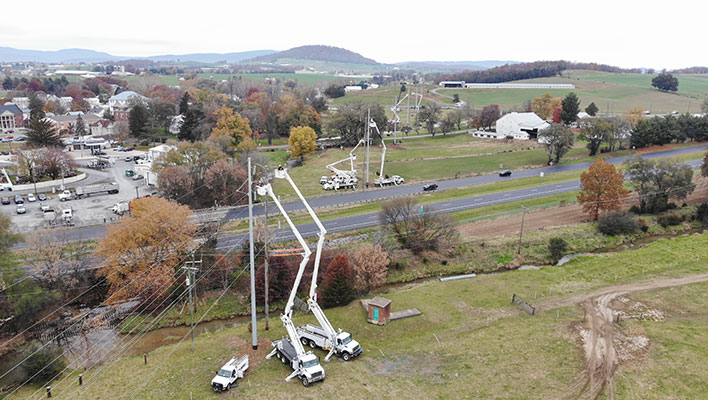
(110, 188)
(226, 377)
(305, 365)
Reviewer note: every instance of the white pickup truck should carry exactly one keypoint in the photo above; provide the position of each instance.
(226, 377)
(344, 345)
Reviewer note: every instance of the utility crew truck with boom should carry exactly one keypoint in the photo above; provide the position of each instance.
(305, 365)
(323, 336)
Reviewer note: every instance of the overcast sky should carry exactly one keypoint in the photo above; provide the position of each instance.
(617, 32)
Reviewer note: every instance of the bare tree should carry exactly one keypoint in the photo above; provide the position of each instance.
(370, 264)
(415, 227)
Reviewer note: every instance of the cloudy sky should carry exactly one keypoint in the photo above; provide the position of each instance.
(619, 32)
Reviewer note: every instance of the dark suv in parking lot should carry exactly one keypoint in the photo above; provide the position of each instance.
(5, 200)
(19, 199)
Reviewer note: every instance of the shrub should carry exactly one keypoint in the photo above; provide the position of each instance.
(557, 248)
(369, 261)
(702, 214)
(670, 220)
(618, 223)
(42, 364)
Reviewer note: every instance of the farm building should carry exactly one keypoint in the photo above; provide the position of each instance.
(452, 84)
(352, 88)
(522, 126)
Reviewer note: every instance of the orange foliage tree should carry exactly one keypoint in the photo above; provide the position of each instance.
(142, 252)
(601, 188)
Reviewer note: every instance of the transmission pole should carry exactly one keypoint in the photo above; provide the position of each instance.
(265, 263)
(408, 118)
(254, 333)
(368, 121)
(190, 286)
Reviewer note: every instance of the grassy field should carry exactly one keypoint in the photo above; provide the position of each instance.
(611, 92)
(678, 354)
(469, 342)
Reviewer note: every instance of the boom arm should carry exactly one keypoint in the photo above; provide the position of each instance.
(286, 316)
(383, 143)
(312, 298)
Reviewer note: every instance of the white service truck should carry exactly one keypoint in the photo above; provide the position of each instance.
(344, 346)
(307, 367)
(66, 195)
(121, 208)
(226, 377)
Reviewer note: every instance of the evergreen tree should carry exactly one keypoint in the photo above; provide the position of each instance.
(109, 115)
(42, 133)
(184, 104)
(337, 283)
(190, 129)
(7, 84)
(137, 120)
(79, 127)
(592, 109)
(36, 107)
(570, 106)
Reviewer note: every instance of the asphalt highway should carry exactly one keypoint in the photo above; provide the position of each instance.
(365, 220)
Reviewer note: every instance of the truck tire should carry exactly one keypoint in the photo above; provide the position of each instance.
(346, 356)
(304, 341)
(216, 388)
(305, 382)
(313, 344)
(277, 355)
(284, 359)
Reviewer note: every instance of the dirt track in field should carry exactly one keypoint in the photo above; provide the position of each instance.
(603, 342)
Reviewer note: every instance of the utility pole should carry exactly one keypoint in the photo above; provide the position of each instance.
(408, 117)
(265, 262)
(368, 121)
(521, 232)
(254, 333)
(137, 195)
(190, 286)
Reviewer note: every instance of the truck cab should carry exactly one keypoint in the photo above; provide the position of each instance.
(347, 347)
(312, 371)
(65, 195)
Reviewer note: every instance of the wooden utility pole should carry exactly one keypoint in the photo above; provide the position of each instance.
(190, 286)
(521, 232)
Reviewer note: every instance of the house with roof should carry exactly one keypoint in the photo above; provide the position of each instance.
(120, 104)
(521, 126)
(11, 118)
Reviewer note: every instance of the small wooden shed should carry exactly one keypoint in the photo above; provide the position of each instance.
(379, 310)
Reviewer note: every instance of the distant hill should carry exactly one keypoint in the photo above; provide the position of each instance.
(317, 53)
(453, 66)
(9, 54)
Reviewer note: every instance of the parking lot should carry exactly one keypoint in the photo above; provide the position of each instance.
(94, 209)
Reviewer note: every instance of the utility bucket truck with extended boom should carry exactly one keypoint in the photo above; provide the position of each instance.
(305, 365)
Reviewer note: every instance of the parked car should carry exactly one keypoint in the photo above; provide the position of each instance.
(128, 159)
(31, 198)
(129, 173)
(131, 148)
(42, 197)
(5, 153)
(136, 158)
(430, 187)
(137, 177)
(5, 200)
(21, 209)
(19, 199)
(506, 172)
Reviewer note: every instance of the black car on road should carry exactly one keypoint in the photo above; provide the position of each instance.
(430, 187)
(506, 172)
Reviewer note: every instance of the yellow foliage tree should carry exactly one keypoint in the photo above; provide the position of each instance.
(633, 115)
(544, 105)
(142, 252)
(302, 141)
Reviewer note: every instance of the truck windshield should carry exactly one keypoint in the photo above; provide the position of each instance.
(311, 363)
(225, 373)
(346, 339)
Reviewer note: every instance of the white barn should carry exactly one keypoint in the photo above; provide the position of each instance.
(522, 126)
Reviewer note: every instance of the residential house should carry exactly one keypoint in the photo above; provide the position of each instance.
(11, 118)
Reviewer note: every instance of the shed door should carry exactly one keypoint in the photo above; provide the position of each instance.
(376, 314)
